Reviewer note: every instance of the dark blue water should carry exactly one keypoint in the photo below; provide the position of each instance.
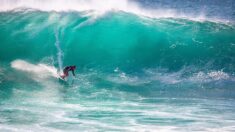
(209, 8)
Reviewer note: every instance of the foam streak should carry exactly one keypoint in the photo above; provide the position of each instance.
(59, 51)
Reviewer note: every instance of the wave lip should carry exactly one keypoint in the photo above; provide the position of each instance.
(63, 5)
(102, 7)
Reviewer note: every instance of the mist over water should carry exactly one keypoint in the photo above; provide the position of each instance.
(141, 65)
(59, 52)
(213, 10)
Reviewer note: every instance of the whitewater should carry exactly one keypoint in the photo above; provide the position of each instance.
(141, 65)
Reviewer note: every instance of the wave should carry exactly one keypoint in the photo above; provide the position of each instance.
(120, 48)
(117, 39)
(125, 62)
(100, 8)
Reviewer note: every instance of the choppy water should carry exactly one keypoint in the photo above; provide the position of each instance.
(140, 67)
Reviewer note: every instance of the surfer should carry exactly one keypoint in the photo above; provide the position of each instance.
(66, 71)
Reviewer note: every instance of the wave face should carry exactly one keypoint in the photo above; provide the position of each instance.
(118, 39)
(143, 70)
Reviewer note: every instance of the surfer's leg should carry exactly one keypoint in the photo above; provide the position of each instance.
(65, 75)
(62, 76)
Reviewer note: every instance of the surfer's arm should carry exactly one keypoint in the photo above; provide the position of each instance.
(73, 72)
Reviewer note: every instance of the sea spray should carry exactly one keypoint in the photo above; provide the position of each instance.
(59, 52)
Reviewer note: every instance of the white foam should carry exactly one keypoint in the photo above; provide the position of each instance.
(122, 78)
(210, 76)
(41, 70)
(163, 76)
(178, 77)
(99, 7)
(65, 5)
(218, 75)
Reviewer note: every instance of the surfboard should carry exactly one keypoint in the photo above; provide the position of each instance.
(61, 79)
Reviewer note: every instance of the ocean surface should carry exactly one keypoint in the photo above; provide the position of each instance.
(142, 65)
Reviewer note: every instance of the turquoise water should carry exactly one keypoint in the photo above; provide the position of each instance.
(134, 73)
